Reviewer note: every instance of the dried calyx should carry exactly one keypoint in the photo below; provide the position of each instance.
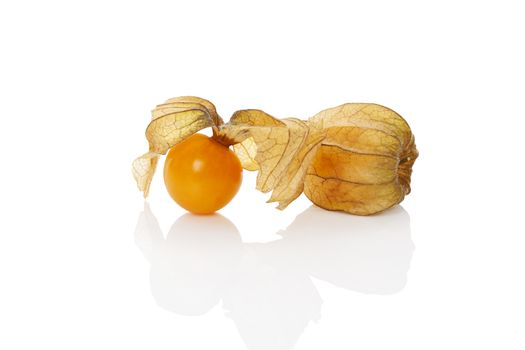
(356, 157)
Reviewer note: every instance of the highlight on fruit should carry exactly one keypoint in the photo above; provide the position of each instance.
(356, 157)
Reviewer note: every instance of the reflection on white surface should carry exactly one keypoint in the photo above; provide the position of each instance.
(266, 288)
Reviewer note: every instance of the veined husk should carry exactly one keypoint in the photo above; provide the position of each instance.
(172, 122)
(356, 157)
(281, 150)
(365, 161)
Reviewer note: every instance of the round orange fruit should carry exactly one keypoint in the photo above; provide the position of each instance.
(201, 174)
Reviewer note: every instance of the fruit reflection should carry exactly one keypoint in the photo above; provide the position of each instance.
(267, 288)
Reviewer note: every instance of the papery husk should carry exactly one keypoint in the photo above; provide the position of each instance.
(365, 162)
(172, 122)
(280, 150)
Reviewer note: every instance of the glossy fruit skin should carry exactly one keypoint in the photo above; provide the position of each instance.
(201, 174)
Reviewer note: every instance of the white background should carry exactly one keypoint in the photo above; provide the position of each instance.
(80, 270)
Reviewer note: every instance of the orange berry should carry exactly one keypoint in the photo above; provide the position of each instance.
(201, 174)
